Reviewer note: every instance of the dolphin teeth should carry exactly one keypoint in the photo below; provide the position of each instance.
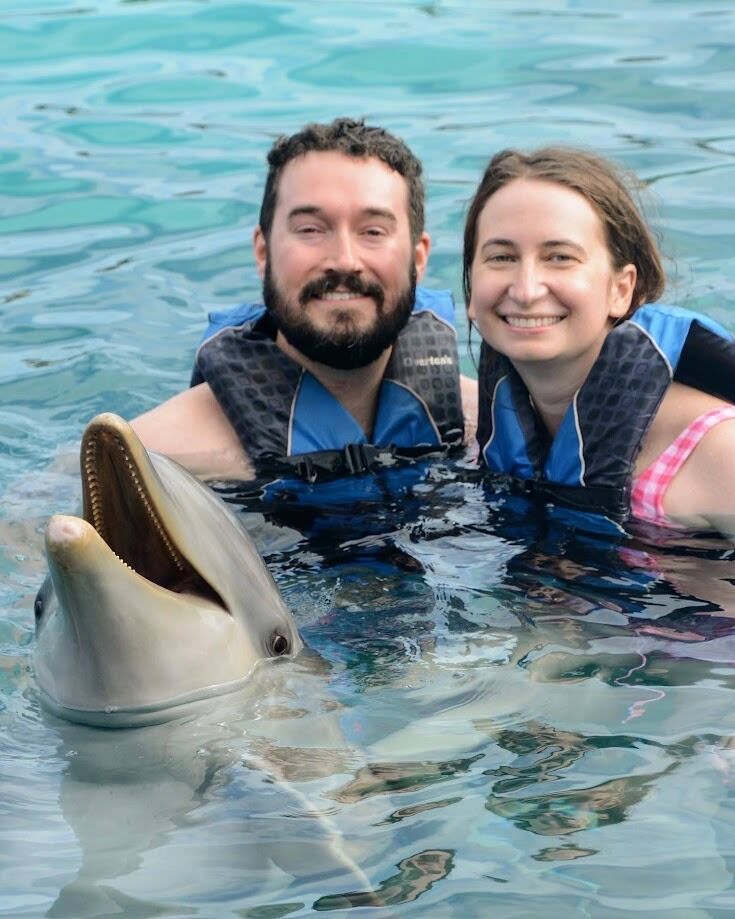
(96, 501)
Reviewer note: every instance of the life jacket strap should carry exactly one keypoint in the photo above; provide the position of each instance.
(605, 499)
(353, 459)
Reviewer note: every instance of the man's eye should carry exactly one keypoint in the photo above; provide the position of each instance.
(500, 258)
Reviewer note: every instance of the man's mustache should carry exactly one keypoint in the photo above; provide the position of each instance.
(346, 280)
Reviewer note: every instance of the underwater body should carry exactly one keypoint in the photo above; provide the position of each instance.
(501, 710)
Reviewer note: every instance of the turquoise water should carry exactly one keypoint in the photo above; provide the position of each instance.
(510, 718)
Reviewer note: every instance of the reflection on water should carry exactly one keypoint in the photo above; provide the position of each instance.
(416, 875)
(547, 756)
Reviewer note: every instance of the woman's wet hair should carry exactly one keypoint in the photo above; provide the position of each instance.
(628, 236)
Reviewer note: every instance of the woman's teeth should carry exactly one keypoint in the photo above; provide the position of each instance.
(531, 322)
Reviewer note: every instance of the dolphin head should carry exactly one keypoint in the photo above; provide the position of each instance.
(156, 597)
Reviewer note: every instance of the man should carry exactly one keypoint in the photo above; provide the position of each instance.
(345, 360)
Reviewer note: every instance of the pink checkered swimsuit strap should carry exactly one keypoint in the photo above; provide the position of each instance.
(649, 488)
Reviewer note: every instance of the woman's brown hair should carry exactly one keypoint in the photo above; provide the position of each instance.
(629, 238)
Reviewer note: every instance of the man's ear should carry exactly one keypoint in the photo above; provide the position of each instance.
(260, 250)
(421, 254)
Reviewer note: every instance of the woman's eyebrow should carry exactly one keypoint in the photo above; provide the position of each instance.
(549, 243)
(497, 241)
(546, 244)
(305, 209)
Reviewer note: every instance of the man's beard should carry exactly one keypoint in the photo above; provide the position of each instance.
(344, 346)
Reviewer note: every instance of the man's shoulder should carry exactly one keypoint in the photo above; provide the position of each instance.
(438, 302)
(191, 428)
(232, 317)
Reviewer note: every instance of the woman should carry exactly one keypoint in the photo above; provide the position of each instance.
(604, 400)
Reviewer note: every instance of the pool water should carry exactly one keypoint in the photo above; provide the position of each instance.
(501, 713)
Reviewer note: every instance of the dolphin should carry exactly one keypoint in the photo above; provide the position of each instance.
(156, 597)
(156, 603)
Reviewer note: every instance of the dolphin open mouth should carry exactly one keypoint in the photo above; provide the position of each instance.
(119, 488)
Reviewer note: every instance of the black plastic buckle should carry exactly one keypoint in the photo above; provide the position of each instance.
(305, 468)
(359, 458)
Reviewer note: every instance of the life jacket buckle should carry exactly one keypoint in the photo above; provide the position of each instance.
(305, 469)
(359, 458)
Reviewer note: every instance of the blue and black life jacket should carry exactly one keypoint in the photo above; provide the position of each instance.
(589, 463)
(284, 417)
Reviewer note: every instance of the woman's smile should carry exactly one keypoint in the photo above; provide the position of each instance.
(531, 322)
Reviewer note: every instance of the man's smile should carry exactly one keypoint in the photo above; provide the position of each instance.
(343, 295)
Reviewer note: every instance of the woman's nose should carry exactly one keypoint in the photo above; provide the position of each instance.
(528, 283)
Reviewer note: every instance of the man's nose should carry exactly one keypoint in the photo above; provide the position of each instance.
(528, 283)
(342, 254)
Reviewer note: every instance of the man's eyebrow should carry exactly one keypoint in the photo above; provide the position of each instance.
(313, 210)
(383, 212)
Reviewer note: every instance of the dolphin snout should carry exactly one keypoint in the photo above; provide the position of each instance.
(66, 536)
(62, 528)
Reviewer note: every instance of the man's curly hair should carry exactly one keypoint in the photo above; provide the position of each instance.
(353, 138)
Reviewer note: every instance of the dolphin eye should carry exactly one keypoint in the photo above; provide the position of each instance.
(38, 607)
(279, 645)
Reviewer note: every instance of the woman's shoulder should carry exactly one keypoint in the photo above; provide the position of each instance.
(703, 489)
(681, 406)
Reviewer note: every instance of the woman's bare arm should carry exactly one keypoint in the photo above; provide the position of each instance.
(702, 494)
(703, 491)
